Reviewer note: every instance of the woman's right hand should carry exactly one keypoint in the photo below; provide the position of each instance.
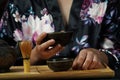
(43, 50)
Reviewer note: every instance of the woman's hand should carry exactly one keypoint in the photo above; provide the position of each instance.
(90, 59)
(43, 50)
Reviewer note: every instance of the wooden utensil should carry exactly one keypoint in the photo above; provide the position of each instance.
(26, 47)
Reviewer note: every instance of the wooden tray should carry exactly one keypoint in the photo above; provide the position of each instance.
(43, 72)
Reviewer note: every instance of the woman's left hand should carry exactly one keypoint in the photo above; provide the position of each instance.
(42, 50)
(90, 59)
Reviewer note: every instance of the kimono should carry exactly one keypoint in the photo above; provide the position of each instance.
(95, 24)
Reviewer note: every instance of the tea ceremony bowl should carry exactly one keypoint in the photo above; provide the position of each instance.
(7, 57)
(62, 38)
(60, 64)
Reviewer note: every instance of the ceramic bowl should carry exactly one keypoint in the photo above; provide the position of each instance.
(60, 64)
(62, 38)
(7, 56)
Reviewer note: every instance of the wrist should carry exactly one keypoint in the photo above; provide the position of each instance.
(111, 59)
(104, 58)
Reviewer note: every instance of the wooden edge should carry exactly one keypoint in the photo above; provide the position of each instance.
(45, 73)
(97, 73)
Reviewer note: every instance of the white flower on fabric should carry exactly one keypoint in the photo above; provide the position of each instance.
(23, 18)
(31, 23)
(31, 27)
(27, 31)
(97, 11)
(17, 16)
(108, 44)
(38, 27)
(34, 26)
(18, 36)
(44, 11)
(46, 23)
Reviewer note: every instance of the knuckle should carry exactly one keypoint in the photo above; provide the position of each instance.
(88, 61)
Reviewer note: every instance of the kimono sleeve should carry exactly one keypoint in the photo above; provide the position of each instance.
(3, 4)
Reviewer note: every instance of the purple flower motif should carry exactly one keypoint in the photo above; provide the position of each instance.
(1, 23)
(97, 11)
(18, 35)
(86, 4)
(94, 10)
(34, 37)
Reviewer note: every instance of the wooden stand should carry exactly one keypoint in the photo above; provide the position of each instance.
(43, 72)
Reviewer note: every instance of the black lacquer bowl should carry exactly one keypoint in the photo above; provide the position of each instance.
(7, 56)
(60, 64)
(62, 38)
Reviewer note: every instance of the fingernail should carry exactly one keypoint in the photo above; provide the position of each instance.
(59, 45)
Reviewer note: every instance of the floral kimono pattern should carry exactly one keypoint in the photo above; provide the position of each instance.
(95, 23)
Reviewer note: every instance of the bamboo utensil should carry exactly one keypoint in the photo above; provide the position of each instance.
(26, 47)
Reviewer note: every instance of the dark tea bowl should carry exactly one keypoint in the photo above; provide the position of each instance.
(62, 38)
(60, 64)
(7, 57)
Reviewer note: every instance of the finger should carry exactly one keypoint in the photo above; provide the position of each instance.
(94, 63)
(41, 37)
(99, 65)
(56, 49)
(46, 44)
(74, 66)
(88, 60)
(80, 60)
(51, 52)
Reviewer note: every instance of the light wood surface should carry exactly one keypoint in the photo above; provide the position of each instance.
(43, 72)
